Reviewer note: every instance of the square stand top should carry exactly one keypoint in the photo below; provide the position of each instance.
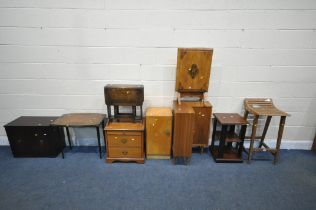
(230, 119)
(80, 120)
(158, 111)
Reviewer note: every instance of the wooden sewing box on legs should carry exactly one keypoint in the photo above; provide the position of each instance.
(192, 113)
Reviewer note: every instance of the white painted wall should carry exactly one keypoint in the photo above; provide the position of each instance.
(56, 55)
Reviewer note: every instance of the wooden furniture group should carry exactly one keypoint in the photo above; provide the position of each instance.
(168, 131)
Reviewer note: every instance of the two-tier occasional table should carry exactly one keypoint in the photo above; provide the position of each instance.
(82, 120)
(226, 151)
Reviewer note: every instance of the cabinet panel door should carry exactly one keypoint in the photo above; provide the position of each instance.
(17, 140)
(202, 125)
(159, 132)
(184, 125)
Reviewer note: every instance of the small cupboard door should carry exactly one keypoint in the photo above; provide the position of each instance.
(158, 133)
(202, 125)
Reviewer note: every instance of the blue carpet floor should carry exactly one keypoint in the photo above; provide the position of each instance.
(83, 181)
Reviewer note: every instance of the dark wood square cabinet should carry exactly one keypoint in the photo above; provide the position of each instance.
(31, 136)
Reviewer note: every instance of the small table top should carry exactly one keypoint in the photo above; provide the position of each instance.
(80, 119)
(230, 119)
(32, 121)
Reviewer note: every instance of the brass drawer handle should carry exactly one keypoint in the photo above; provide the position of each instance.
(124, 152)
(124, 141)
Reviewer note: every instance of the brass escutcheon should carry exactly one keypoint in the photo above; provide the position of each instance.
(193, 71)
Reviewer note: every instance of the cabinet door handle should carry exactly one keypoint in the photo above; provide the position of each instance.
(167, 133)
(124, 152)
(124, 141)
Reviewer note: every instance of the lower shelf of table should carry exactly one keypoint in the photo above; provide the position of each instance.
(230, 155)
(137, 160)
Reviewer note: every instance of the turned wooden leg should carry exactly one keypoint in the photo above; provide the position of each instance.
(280, 133)
(266, 126)
(253, 135)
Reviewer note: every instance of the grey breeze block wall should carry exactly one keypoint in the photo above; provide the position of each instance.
(56, 56)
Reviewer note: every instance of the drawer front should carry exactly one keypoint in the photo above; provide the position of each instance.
(124, 141)
(126, 133)
(117, 152)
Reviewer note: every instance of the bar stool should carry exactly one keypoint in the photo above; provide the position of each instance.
(263, 107)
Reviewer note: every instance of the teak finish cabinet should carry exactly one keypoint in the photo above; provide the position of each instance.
(183, 131)
(125, 142)
(203, 113)
(158, 133)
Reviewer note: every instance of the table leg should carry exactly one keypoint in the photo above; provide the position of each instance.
(213, 134)
(222, 142)
(99, 143)
(68, 135)
(62, 154)
(242, 138)
(104, 138)
(280, 133)
(266, 126)
(253, 136)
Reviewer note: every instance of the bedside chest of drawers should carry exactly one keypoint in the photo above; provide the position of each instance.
(125, 142)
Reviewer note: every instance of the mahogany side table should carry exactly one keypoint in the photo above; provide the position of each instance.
(82, 120)
(225, 152)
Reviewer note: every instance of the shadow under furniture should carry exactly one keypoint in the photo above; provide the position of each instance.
(80, 120)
